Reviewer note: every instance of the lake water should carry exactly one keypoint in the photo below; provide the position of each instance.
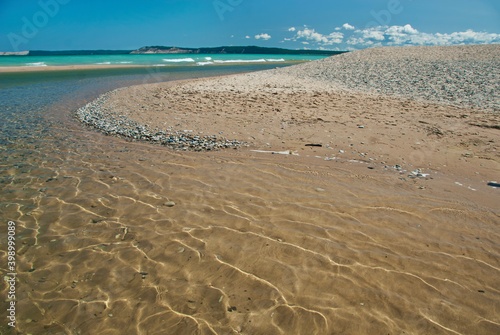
(154, 59)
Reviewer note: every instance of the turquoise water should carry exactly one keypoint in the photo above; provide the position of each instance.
(139, 74)
(154, 59)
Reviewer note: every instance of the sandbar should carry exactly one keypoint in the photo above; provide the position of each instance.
(10, 69)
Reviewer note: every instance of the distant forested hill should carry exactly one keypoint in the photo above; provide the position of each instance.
(177, 50)
(231, 50)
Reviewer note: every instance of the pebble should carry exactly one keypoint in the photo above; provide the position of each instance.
(463, 76)
(169, 204)
(95, 114)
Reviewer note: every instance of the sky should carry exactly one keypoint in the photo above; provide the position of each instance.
(290, 24)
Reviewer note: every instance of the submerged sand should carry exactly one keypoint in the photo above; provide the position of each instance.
(384, 229)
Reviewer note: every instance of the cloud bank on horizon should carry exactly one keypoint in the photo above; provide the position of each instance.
(348, 37)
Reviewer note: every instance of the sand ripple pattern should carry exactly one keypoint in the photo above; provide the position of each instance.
(253, 248)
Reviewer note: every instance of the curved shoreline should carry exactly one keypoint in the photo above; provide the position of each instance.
(96, 115)
(298, 111)
(290, 109)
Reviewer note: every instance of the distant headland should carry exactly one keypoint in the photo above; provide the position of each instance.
(177, 50)
(231, 50)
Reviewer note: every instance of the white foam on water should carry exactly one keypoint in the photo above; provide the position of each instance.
(240, 61)
(36, 64)
(125, 62)
(208, 58)
(103, 63)
(204, 63)
(179, 60)
(275, 60)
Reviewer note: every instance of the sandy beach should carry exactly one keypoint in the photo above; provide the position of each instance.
(318, 112)
(343, 196)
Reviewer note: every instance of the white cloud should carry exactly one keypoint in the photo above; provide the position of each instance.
(312, 35)
(355, 41)
(335, 38)
(347, 26)
(410, 30)
(347, 37)
(247, 36)
(469, 37)
(407, 35)
(400, 34)
(401, 30)
(371, 34)
(264, 36)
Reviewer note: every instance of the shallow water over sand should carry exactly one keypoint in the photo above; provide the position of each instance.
(250, 245)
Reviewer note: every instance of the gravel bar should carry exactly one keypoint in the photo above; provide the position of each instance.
(96, 114)
(463, 76)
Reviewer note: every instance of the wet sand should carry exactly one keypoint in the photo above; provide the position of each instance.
(121, 235)
(252, 246)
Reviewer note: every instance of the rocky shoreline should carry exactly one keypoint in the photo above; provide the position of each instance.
(97, 115)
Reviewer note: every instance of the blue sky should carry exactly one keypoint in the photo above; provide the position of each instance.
(293, 24)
